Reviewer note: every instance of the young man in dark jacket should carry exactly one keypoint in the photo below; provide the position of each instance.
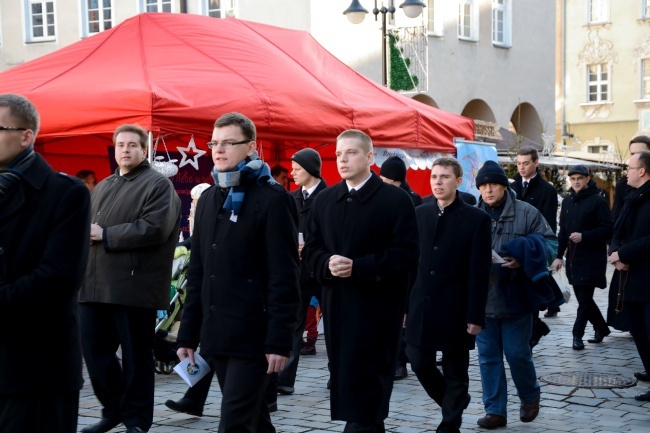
(242, 285)
(586, 225)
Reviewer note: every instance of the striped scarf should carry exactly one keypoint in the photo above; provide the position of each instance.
(11, 176)
(249, 170)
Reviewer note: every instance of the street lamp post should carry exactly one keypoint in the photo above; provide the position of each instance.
(356, 14)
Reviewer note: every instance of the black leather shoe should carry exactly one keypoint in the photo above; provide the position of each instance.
(528, 412)
(400, 373)
(491, 421)
(643, 397)
(273, 407)
(642, 376)
(285, 390)
(103, 426)
(551, 312)
(577, 343)
(598, 336)
(185, 405)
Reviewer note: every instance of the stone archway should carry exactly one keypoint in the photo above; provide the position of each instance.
(526, 122)
(478, 109)
(425, 99)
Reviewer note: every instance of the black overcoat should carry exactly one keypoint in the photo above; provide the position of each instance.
(242, 285)
(44, 239)
(377, 229)
(586, 212)
(453, 276)
(541, 194)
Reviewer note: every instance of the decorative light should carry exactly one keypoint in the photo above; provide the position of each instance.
(355, 12)
(412, 8)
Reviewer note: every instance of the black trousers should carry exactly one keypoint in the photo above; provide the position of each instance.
(402, 359)
(43, 413)
(638, 314)
(125, 390)
(358, 427)
(243, 383)
(588, 311)
(450, 388)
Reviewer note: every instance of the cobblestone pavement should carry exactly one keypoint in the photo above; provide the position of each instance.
(563, 408)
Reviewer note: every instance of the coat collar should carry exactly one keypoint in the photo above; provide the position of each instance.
(144, 165)
(364, 194)
(35, 176)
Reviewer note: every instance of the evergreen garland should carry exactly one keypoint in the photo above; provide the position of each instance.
(400, 77)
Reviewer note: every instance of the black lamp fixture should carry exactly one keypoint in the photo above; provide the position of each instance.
(356, 14)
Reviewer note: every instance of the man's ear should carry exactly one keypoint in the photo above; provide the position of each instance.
(28, 139)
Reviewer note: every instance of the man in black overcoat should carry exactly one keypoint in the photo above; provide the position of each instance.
(44, 239)
(586, 225)
(447, 302)
(361, 243)
(630, 254)
(242, 285)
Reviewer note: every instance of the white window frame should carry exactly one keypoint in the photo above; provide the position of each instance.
(598, 11)
(645, 9)
(502, 13)
(599, 83)
(85, 19)
(159, 4)
(435, 26)
(226, 8)
(645, 78)
(29, 21)
(472, 16)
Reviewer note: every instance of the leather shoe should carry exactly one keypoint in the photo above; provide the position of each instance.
(491, 421)
(103, 426)
(285, 390)
(643, 397)
(528, 412)
(598, 336)
(642, 376)
(400, 373)
(577, 343)
(185, 405)
(552, 312)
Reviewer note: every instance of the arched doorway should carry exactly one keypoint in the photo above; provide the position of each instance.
(425, 99)
(526, 122)
(478, 109)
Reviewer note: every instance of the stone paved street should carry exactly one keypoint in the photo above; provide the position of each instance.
(563, 408)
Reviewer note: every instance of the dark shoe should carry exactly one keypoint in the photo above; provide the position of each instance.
(185, 405)
(552, 312)
(285, 390)
(401, 373)
(310, 347)
(642, 376)
(134, 430)
(491, 421)
(540, 329)
(103, 426)
(643, 397)
(528, 412)
(598, 336)
(273, 407)
(577, 343)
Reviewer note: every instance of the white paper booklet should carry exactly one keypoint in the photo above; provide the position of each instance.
(496, 258)
(192, 373)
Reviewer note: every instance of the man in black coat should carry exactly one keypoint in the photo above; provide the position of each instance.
(305, 171)
(586, 225)
(361, 244)
(447, 302)
(44, 238)
(630, 254)
(242, 285)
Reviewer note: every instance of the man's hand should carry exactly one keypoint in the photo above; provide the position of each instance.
(340, 266)
(276, 363)
(300, 245)
(473, 329)
(575, 237)
(616, 261)
(510, 263)
(185, 352)
(96, 232)
(557, 264)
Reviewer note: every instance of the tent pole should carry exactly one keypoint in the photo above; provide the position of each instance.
(150, 148)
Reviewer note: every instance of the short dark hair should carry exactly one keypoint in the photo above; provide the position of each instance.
(644, 160)
(21, 109)
(641, 139)
(278, 169)
(527, 150)
(245, 124)
(450, 162)
(84, 174)
(136, 129)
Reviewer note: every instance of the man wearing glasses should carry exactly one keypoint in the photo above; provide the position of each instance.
(44, 218)
(242, 291)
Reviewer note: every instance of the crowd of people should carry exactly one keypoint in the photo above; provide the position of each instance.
(398, 278)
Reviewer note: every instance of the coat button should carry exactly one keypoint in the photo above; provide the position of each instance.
(214, 246)
(378, 278)
(220, 216)
(212, 308)
(432, 273)
(213, 277)
(349, 200)
(435, 248)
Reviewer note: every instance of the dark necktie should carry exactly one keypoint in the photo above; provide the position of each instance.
(305, 194)
(525, 188)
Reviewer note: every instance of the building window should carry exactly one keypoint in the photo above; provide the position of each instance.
(97, 16)
(434, 18)
(645, 79)
(156, 5)
(501, 22)
(598, 11)
(220, 8)
(40, 21)
(645, 9)
(598, 83)
(468, 19)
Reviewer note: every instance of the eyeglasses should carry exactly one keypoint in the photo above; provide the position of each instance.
(635, 168)
(11, 128)
(225, 144)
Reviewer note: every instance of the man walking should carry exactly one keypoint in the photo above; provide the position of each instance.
(361, 243)
(242, 285)
(44, 218)
(135, 219)
(630, 254)
(586, 225)
(447, 302)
